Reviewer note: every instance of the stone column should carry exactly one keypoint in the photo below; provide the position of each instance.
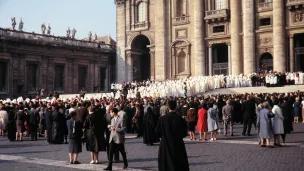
(161, 37)
(279, 60)
(152, 65)
(121, 75)
(291, 54)
(210, 59)
(236, 42)
(129, 67)
(229, 59)
(249, 37)
(199, 43)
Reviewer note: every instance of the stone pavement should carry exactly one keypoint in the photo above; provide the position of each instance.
(228, 153)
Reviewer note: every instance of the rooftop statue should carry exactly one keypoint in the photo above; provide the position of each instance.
(68, 32)
(43, 28)
(95, 37)
(21, 25)
(90, 36)
(74, 33)
(49, 29)
(13, 23)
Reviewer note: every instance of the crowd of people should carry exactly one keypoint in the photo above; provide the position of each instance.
(101, 123)
(194, 85)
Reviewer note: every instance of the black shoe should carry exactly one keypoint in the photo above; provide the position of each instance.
(249, 135)
(107, 168)
(71, 162)
(125, 167)
(76, 162)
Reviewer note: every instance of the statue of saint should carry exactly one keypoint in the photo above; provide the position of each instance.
(95, 37)
(90, 36)
(73, 33)
(43, 27)
(21, 25)
(49, 30)
(68, 32)
(13, 23)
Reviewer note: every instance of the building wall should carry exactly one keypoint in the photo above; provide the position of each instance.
(18, 52)
(245, 33)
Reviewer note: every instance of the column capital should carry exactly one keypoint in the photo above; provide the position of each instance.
(291, 35)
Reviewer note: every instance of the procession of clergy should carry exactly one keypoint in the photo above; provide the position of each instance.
(199, 84)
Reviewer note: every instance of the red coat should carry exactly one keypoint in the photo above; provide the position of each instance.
(202, 125)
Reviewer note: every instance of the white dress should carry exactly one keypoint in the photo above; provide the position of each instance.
(277, 121)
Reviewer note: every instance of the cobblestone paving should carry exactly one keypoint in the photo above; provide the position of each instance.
(229, 153)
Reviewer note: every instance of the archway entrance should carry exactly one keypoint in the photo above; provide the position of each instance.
(299, 52)
(141, 58)
(220, 59)
(266, 62)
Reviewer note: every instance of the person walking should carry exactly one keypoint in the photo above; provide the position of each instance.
(227, 117)
(264, 125)
(288, 117)
(117, 139)
(172, 128)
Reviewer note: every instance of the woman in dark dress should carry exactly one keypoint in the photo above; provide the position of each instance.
(74, 134)
(191, 121)
(150, 122)
(297, 110)
(11, 125)
(19, 117)
(93, 131)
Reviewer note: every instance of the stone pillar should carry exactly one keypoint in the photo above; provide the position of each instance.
(236, 42)
(249, 37)
(129, 67)
(229, 59)
(210, 59)
(279, 59)
(152, 65)
(291, 54)
(199, 43)
(161, 37)
(75, 77)
(121, 74)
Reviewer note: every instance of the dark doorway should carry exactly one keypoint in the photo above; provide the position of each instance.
(266, 62)
(220, 59)
(82, 78)
(299, 52)
(3, 75)
(141, 63)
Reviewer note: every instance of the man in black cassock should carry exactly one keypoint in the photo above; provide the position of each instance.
(171, 128)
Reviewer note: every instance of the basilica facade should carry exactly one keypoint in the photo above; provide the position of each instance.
(159, 39)
(34, 64)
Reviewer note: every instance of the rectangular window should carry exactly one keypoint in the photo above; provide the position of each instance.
(103, 76)
(59, 77)
(82, 78)
(265, 22)
(3, 75)
(141, 12)
(218, 29)
(220, 4)
(32, 76)
(265, 1)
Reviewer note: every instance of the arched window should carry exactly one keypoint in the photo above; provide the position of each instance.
(220, 4)
(181, 60)
(181, 8)
(141, 12)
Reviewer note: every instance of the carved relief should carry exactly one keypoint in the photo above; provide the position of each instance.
(266, 40)
(299, 17)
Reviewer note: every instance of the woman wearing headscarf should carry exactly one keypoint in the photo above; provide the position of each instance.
(264, 125)
(95, 140)
(213, 120)
(277, 123)
(150, 122)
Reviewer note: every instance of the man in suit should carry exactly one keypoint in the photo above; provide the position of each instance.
(34, 121)
(117, 138)
(108, 132)
(249, 114)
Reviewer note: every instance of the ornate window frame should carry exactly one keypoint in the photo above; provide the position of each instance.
(136, 25)
(176, 47)
(180, 20)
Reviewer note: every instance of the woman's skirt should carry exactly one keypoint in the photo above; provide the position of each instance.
(191, 126)
(19, 126)
(75, 146)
